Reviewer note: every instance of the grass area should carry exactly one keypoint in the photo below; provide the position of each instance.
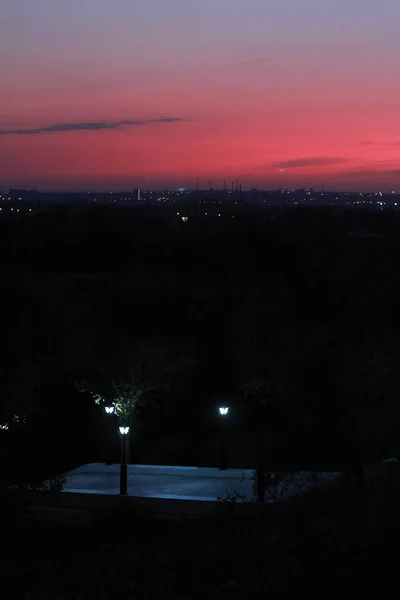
(324, 542)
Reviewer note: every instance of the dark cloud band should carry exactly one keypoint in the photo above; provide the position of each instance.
(89, 126)
(313, 161)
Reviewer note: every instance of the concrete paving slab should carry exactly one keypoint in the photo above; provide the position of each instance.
(134, 469)
(148, 481)
(183, 483)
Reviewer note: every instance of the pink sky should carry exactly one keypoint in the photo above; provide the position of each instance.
(271, 93)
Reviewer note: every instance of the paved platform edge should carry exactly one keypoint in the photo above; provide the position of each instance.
(208, 472)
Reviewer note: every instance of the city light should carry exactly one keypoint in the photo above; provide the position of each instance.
(124, 430)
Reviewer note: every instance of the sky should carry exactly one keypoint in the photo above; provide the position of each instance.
(106, 96)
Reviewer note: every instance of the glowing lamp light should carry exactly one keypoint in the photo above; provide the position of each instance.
(223, 410)
(124, 430)
(109, 409)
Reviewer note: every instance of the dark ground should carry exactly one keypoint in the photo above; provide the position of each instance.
(325, 542)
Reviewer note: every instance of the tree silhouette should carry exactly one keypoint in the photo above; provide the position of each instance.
(129, 377)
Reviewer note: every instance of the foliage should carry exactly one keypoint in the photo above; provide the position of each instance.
(14, 422)
(336, 375)
(19, 374)
(146, 367)
(50, 485)
(234, 497)
(127, 400)
(277, 483)
(274, 394)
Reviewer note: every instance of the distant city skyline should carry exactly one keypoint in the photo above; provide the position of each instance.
(100, 95)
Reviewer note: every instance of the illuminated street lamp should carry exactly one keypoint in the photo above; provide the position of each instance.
(123, 469)
(223, 411)
(110, 411)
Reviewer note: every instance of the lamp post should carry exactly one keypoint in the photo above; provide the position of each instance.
(223, 411)
(109, 410)
(123, 469)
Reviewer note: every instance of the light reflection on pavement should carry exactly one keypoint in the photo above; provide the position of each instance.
(156, 486)
(186, 483)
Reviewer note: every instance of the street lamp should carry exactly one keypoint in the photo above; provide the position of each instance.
(123, 469)
(223, 411)
(109, 410)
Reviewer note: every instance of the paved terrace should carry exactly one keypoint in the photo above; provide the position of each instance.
(179, 483)
(160, 491)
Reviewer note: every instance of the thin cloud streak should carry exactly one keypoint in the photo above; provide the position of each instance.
(313, 161)
(381, 143)
(88, 126)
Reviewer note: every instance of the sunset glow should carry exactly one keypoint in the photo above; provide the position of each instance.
(104, 95)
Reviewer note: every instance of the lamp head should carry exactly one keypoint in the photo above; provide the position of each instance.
(124, 430)
(223, 410)
(109, 409)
